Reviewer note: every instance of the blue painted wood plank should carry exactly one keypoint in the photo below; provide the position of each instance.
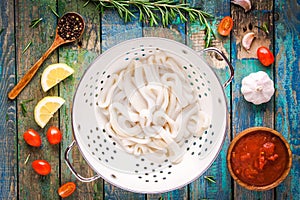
(245, 114)
(287, 75)
(8, 128)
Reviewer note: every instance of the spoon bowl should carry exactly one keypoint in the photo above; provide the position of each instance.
(70, 28)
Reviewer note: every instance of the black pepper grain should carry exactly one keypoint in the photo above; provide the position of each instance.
(70, 26)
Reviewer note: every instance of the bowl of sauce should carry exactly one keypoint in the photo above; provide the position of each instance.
(259, 158)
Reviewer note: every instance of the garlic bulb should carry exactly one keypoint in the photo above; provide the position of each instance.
(246, 4)
(247, 40)
(257, 88)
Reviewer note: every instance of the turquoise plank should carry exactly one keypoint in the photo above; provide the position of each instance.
(287, 53)
(8, 129)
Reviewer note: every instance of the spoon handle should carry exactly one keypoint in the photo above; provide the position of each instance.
(32, 71)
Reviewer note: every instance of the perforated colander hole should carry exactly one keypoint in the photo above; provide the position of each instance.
(184, 51)
(113, 176)
(212, 133)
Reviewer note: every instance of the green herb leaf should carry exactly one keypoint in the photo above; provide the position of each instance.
(210, 179)
(23, 106)
(35, 22)
(1, 31)
(86, 3)
(26, 47)
(53, 11)
(27, 159)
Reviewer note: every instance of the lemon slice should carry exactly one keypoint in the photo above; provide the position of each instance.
(54, 74)
(45, 109)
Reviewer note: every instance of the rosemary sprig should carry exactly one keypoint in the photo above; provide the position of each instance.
(35, 22)
(153, 12)
(210, 179)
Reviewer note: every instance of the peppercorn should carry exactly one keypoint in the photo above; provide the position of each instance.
(70, 26)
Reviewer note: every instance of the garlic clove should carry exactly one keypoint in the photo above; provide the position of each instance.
(247, 40)
(246, 4)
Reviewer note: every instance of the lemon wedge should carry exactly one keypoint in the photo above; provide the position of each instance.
(55, 73)
(45, 109)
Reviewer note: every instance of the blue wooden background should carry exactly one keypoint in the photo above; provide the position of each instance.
(17, 179)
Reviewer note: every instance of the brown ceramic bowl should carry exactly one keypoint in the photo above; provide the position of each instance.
(259, 158)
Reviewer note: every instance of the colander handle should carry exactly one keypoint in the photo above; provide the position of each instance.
(78, 176)
(226, 60)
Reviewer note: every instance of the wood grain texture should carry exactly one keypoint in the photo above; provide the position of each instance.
(79, 58)
(287, 96)
(19, 181)
(245, 114)
(32, 185)
(8, 127)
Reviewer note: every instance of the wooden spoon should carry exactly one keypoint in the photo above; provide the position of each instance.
(70, 28)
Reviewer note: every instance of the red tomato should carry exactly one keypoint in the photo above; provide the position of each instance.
(66, 189)
(54, 135)
(32, 138)
(41, 167)
(265, 56)
(225, 26)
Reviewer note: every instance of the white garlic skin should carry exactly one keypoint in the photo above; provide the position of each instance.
(246, 4)
(257, 88)
(247, 40)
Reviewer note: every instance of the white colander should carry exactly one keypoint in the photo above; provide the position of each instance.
(139, 173)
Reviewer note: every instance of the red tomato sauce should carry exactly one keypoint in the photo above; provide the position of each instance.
(259, 158)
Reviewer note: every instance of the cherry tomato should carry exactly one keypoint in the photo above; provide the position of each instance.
(41, 167)
(54, 135)
(66, 189)
(225, 26)
(32, 138)
(265, 56)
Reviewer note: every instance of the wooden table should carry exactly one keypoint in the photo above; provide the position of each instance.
(19, 181)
